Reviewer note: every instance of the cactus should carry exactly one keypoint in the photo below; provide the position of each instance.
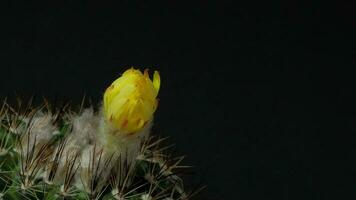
(63, 153)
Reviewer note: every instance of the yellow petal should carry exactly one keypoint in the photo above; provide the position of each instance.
(156, 81)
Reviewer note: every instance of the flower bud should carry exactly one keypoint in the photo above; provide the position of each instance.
(130, 101)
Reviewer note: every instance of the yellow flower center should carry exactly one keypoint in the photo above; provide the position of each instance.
(130, 101)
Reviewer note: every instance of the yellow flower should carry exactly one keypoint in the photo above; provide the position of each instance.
(130, 101)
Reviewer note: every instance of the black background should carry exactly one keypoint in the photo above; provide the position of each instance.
(258, 95)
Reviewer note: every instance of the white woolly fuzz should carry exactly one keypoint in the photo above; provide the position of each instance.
(82, 136)
(94, 168)
(91, 134)
(118, 143)
(41, 128)
(85, 164)
(84, 129)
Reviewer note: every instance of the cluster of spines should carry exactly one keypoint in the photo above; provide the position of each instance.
(28, 169)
